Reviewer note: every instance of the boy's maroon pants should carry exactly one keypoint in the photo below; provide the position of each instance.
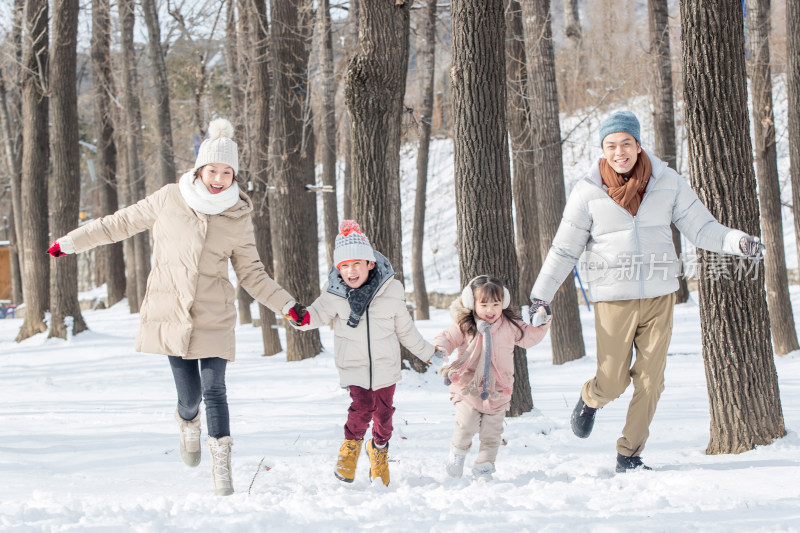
(375, 405)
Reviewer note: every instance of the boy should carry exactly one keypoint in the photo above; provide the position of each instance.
(368, 309)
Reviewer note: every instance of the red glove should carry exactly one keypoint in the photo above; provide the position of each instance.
(55, 250)
(298, 315)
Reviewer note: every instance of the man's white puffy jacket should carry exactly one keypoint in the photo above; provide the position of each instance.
(630, 257)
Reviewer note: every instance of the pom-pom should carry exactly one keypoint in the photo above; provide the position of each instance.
(484, 395)
(220, 128)
(349, 226)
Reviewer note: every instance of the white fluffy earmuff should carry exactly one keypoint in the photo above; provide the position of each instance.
(468, 296)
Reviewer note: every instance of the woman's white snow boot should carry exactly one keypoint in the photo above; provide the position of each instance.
(221, 465)
(190, 439)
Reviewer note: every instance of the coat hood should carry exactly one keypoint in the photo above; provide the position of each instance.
(383, 267)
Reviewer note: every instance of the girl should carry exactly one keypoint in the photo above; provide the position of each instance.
(481, 378)
(187, 313)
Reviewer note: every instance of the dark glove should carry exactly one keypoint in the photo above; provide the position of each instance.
(55, 250)
(438, 353)
(752, 247)
(298, 315)
(539, 313)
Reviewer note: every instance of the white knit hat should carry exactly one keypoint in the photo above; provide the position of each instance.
(219, 147)
(351, 244)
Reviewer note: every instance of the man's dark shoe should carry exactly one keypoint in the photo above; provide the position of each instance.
(582, 419)
(626, 464)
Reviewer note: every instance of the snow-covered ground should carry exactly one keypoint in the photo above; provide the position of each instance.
(89, 444)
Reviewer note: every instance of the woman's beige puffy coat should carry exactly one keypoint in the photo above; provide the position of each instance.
(368, 355)
(188, 309)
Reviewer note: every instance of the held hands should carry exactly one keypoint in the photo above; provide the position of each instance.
(55, 250)
(298, 315)
(752, 247)
(438, 353)
(539, 312)
(61, 247)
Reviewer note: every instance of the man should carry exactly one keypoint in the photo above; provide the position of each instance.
(620, 214)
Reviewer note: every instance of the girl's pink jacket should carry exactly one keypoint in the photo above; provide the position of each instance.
(504, 338)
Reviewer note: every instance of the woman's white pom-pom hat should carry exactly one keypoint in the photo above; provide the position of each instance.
(219, 147)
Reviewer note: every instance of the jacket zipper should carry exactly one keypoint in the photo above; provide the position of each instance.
(369, 351)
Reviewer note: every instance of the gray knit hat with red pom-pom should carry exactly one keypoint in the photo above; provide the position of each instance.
(351, 244)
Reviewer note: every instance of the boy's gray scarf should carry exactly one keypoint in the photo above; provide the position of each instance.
(361, 297)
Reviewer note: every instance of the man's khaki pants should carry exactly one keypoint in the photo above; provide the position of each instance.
(621, 325)
(488, 426)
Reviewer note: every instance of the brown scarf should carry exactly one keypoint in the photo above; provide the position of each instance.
(629, 193)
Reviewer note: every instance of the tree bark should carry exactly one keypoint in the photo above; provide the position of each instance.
(15, 270)
(481, 163)
(740, 370)
(574, 75)
(427, 59)
(663, 107)
(238, 119)
(290, 202)
(35, 157)
(166, 157)
(374, 90)
(351, 43)
(522, 153)
(784, 336)
(133, 135)
(65, 186)
(327, 131)
(254, 13)
(565, 332)
(15, 116)
(106, 158)
(793, 105)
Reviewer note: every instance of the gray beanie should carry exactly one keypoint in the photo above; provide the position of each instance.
(219, 147)
(621, 121)
(351, 244)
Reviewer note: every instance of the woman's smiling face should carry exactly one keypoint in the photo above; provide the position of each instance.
(217, 177)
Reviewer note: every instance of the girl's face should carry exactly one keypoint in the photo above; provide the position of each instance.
(489, 311)
(217, 177)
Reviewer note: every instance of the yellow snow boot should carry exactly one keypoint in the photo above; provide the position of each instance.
(348, 459)
(378, 462)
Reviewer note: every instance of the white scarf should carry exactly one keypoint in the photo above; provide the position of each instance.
(198, 197)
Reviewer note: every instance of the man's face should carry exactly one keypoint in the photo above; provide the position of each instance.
(355, 273)
(621, 151)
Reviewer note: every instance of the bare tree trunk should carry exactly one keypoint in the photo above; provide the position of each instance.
(427, 57)
(35, 157)
(65, 186)
(166, 155)
(793, 89)
(290, 202)
(133, 121)
(106, 159)
(575, 72)
(14, 260)
(254, 18)
(15, 115)
(784, 336)
(742, 383)
(238, 117)
(550, 195)
(519, 129)
(14, 250)
(664, 108)
(327, 131)
(481, 163)
(351, 43)
(374, 89)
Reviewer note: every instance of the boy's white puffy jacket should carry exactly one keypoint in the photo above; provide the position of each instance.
(368, 355)
(630, 257)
